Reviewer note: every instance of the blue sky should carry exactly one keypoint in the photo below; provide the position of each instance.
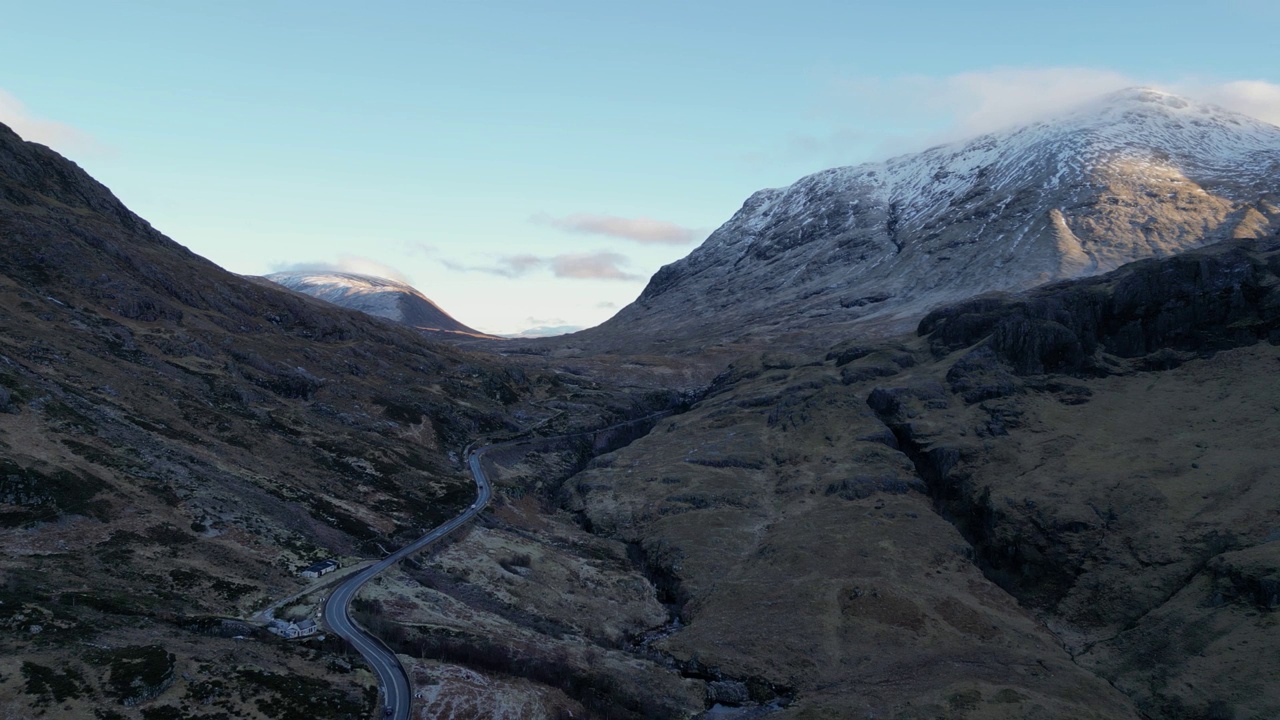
(527, 165)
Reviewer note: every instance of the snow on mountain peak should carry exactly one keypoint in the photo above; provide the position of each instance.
(1135, 173)
(382, 297)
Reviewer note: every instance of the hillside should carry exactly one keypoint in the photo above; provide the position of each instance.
(1059, 504)
(377, 296)
(1136, 174)
(177, 441)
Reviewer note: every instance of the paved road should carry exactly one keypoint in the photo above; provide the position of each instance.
(391, 675)
(397, 695)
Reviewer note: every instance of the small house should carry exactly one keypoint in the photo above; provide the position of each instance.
(324, 567)
(283, 628)
(291, 630)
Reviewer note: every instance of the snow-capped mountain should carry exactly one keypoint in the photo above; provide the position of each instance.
(1138, 173)
(374, 296)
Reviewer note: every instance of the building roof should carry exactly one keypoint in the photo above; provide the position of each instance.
(322, 565)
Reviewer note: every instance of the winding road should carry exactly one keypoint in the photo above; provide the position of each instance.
(337, 609)
(394, 682)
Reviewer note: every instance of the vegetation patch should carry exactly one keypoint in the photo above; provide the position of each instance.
(135, 673)
(231, 590)
(62, 414)
(163, 712)
(49, 494)
(169, 534)
(293, 697)
(49, 685)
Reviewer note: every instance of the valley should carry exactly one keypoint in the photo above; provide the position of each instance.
(980, 433)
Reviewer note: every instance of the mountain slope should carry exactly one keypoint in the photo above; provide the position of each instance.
(375, 296)
(176, 441)
(1137, 174)
(856, 529)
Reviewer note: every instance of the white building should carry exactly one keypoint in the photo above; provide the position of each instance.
(324, 567)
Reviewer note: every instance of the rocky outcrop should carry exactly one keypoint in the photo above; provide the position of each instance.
(1102, 446)
(1220, 297)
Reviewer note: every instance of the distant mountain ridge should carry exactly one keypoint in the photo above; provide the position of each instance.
(376, 296)
(1138, 173)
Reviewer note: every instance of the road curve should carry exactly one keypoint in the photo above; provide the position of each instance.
(394, 682)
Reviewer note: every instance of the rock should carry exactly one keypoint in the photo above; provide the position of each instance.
(1219, 297)
(858, 488)
(979, 376)
(728, 692)
(847, 355)
(1251, 575)
(850, 375)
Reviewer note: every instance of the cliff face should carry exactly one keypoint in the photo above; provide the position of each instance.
(1138, 174)
(1224, 296)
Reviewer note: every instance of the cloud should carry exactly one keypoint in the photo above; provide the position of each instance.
(516, 265)
(591, 266)
(928, 110)
(346, 263)
(646, 231)
(980, 102)
(601, 265)
(1256, 98)
(511, 266)
(547, 330)
(59, 136)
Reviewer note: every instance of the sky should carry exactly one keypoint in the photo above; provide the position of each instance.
(531, 165)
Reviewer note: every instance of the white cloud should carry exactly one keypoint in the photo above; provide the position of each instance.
(510, 266)
(927, 110)
(984, 101)
(1256, 98)
(59, 136)
(642, 230)
(601, 265)
(591, 266)
(545, 330)
(357, 264)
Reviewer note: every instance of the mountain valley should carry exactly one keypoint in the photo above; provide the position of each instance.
(177, 442)
(948, 525)
(981, 433)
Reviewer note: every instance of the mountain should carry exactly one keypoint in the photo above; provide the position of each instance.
(377, 296)
(1056, 504)
(176, 441)
(1136, 174)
